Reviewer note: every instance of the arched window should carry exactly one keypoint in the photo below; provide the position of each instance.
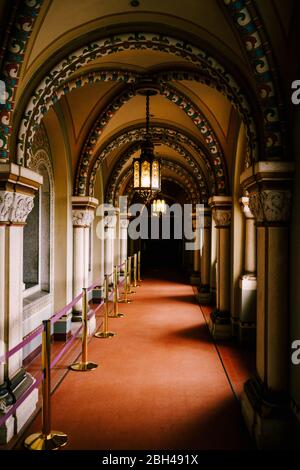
(37, 239)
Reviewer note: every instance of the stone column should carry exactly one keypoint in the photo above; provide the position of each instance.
(123, 238)
(17, 189)
(195, 277)
(117, 241)
(213, 262)
(220, 322)
(109, 243)
(204, 291)
(82, 216)
(265, 400)
(248, 281)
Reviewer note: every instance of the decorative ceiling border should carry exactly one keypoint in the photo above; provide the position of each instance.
(171, 137)
(180, 100)
(208, 65)
(248, 23)
(13, 57)
(191, 185)
(198, 175)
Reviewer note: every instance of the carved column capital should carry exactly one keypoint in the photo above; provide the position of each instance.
(245, 206)
(124, 223)
(269, 186)
(222, 217)
(82, 218)
(271, 205)
(221, 210)
(15, 207)
(83, 210)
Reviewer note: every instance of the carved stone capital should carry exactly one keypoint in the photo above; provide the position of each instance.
(82, 218)
(124, 223)
(222, 217)
(244, 203)
(15, 207)
(271, 205)
(110, 221)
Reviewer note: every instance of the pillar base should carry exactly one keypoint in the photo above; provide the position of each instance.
(91, 325)
(204, 295)
(268, 418)
(15, 388)
(220, 325)
(195, 279)
(97, 295)
(62, 328)
(76, 316)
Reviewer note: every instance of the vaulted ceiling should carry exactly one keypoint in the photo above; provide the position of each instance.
(64, 26)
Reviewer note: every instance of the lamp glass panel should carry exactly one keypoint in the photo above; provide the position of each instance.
(136, 174)
(155, 174)
(145, 176)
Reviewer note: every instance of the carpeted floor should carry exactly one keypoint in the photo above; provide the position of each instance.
(160, 383)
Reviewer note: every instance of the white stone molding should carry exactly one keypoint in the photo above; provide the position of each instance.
(6, 202)
(82, 218)
(245, 206)
(15, 207)
(124, 223)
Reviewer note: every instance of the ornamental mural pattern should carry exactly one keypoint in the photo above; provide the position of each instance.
(242, 13)
(170, 137)
(246, 19)
(37, 105)
(12, 62)
(195, 169)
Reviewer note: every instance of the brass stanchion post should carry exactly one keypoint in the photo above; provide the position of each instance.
(139, 266)
(116, 313)
(125, 300)
(135, 284)
(105, 333)
(46, 439)
(84, 365)
(130, 275)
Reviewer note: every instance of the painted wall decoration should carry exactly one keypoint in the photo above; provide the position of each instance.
(12, 61)
(248, 23)
(171, 137)
(182, 177)
(213, 70)
(241, 12)
(195, 169)
(176, 97)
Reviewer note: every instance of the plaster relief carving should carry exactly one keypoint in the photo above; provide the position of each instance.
(222, 217)
(15, 207)
(271, 205)
(82, 218)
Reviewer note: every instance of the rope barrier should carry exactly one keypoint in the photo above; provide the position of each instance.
(48, 439)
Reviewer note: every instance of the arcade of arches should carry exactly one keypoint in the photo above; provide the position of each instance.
(227, 134)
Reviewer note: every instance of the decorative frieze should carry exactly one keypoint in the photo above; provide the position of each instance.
(15, 207)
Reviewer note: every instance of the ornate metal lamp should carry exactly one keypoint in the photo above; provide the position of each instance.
(159, 207)
(146, 168)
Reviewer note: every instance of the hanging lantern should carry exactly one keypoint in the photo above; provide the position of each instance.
(159, 207)
(146, 168)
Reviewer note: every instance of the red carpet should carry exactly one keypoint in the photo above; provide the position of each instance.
(160, 383)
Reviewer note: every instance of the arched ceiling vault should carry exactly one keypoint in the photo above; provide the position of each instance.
(45, 94)
(212, 61)
(129, 140)
(171, 171)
